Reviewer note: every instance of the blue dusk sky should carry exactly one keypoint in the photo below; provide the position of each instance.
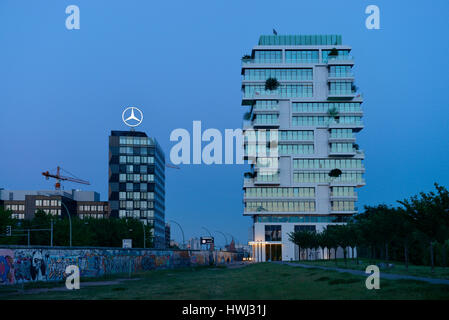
(62, 92)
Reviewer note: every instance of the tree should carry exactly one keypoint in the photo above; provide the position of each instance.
(333, 113)
(385, 223)
(321, 241)
(271, 84)
(327, 241)
(314, 242)
(429, 214)
(6, 220)
(354, 238)
(333, 52)
(332, 234)
(303, 239)
(249, 175)
(342, 235)
(335, 173)
(404, 231)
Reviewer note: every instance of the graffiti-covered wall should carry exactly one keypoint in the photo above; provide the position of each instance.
(41, 264)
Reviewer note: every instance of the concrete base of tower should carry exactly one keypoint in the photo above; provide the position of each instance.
(271, 243)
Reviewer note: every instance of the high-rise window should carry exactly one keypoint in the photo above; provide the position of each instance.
(268, 56)
(301, 56)
(279, 74)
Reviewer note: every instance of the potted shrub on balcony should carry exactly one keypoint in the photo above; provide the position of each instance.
(335, 173)
(333, 53)
(333, 113)
(271, 84)
(246, 57)
(355, 146)
(249, 175)
(354, 88)
(247, 116)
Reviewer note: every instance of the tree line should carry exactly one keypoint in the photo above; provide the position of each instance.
(416, 231)
(88, 232)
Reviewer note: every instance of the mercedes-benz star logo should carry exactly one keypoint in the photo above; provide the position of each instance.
(132, 116)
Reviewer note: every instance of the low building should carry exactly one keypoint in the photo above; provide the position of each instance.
(194, 244)
(25, 203)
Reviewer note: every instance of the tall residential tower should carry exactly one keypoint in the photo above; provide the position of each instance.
(311, 115)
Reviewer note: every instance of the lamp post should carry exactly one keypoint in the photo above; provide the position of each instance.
(210, 234)
(233, 238)
(226, 239)
(51, 232)
(70, 221)
(182, 231)
(144, 236)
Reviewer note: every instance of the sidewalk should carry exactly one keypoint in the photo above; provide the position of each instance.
(384, 275)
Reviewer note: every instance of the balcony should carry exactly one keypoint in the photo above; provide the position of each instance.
(341, 138)
(268, 178)
(333, 152)
(344, 211)
(266, 124)
(249, 62)
(342, 59)
(262, 94)
(336, 95)
(360, 154)
(356, 126)
(340, 196)
(338, 76)
(347, 183)
(248, 182)
(246, 125)
(266, 109)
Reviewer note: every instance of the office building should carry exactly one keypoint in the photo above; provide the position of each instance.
(167, 235)
(25, 203)
(194, 244)
(137, 180)
(310, 115)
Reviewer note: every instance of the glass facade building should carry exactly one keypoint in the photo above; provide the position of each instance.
(137, 180)
(308, 125)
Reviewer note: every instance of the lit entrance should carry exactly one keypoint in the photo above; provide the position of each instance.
(273, 252)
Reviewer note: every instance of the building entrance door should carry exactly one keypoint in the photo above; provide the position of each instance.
(273, 252)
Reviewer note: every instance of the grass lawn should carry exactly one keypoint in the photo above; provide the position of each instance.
(256, 281)
(399, 267)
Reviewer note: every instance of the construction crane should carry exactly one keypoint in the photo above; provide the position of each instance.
(60, 178)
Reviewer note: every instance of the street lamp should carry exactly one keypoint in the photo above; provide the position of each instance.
(70, 221)
(144, 236)
(182, 231)
(233, 238)
(215, 260)
(207, 231)
(226, 239)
